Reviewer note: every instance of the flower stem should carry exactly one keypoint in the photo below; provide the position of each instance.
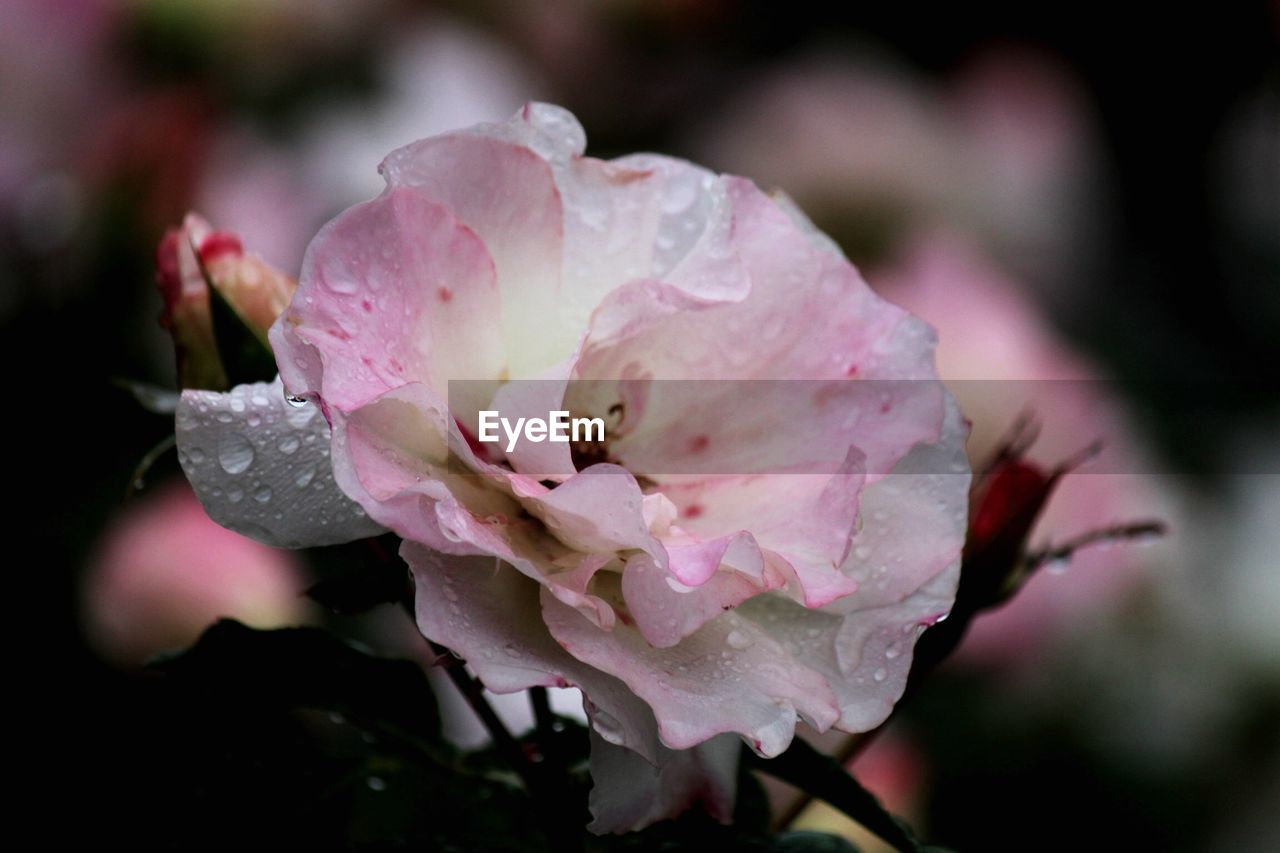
(545, 720)
(505, 742)
(844, 753)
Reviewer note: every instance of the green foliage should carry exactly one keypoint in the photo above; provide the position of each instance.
(308, 740)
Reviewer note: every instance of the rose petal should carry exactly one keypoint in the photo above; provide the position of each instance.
(666, 611)
(392, 291)
(505, 192)
(714, 681)
(488, 613)
(629, 793)
(392, 455)
(261, 467)
(907, 561)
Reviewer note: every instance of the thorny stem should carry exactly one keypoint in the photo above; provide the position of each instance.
(1115, 533)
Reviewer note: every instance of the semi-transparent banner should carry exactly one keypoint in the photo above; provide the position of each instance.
(669, 428)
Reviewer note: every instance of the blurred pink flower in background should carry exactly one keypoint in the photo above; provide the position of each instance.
(57, 81)
(164, 571)
(1000, 356)
(252, 186)
(1005, 149)
(56, 71)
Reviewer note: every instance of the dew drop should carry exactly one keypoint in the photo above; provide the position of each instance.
(235, 453)
(607, 726)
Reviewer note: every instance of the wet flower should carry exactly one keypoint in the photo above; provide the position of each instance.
(694, 610)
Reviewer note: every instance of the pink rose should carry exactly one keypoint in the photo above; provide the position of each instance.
(693, 610)
(164, 572)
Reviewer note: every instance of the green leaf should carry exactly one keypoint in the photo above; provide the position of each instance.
(245, 355)
(822, 776)
(812, 842)
(246, 750)
(309, 668)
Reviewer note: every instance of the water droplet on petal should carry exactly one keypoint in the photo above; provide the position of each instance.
(235, 453)
(607, 726)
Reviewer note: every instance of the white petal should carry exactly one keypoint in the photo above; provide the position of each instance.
(260, 466)
(629, 793)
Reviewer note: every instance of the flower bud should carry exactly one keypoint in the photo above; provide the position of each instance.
(190, 259)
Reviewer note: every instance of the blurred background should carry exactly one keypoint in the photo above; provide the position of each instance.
(1082, 199)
